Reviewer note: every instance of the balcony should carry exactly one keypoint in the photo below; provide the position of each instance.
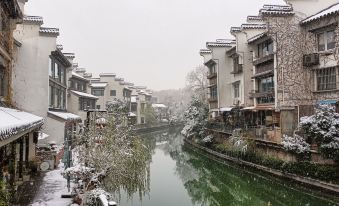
(257, 94)
(263, 59)
(237, 69)
(211, 76)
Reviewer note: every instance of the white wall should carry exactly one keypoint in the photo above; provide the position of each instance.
(309, 7)
(30, 73)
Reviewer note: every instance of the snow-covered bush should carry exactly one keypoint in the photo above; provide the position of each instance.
(195, 119)
(238, 143)
(323, 128)
(295, 144)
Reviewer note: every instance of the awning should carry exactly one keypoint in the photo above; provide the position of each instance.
(328, 102)
(65, 116)
(85, 95)
(248, 108)
(14, 121)
(226, 109)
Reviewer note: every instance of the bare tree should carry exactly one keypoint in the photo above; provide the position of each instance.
(196, 80)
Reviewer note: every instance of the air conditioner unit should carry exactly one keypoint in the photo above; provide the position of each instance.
(311, 59)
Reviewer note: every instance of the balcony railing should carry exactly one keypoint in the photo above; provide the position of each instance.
(263, 59)
(257, 94)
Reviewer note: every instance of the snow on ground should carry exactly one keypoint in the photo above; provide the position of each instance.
(52, 187)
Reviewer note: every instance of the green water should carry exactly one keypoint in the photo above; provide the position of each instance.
(179, 176)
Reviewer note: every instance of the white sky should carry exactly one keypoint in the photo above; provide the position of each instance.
(148, 42)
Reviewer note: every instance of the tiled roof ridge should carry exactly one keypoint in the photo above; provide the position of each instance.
(322, 13)
(49, 30)
(33, 19)
(276, 9)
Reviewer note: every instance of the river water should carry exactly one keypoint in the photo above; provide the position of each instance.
(180, 176)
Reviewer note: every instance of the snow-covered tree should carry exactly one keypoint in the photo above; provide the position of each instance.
(295, 144)
(195, 119)
(112, 154)
(323, 129)
(197, 81)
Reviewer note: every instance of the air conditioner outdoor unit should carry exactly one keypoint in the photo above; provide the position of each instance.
(311, 59)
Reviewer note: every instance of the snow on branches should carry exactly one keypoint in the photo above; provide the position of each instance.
(195, 118)
(295, 144)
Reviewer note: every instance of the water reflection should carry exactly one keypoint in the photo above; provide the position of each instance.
(180, 176)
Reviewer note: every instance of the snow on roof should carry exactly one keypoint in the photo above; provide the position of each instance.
(235, 29)
(326, 12)
(60, 47)
(131, 114)
(79, 76)
(256, 37)
(276, 10)
(65, 115)
(13, 121)
(69, 55)
(205, 51)
(220, 43)
(254, 18)
(159, 106)
(253, 26)
(33, 19)
(52, 31)
(42, 136)
(98, 85)
(82, 94)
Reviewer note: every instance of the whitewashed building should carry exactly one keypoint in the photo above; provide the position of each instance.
(40, 78)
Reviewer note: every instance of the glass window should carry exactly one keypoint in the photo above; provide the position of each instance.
(50, 68)
(265, 48)
(266, 84)
(326, 79)
(62, 75)
(98, 106)
(214, 93)
(98, 92)
(2, 81)
(113, 93)
(57, 72)
(236, 89)
(326, 40)
(51, 96)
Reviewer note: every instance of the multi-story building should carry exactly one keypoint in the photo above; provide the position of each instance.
(19, 131)
(42, 88)
(109, 87)
(219, 69)
(79, 99)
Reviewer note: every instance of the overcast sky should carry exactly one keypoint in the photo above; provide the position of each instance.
(154, 43)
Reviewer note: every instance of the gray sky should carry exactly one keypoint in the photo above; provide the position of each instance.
(148, 42)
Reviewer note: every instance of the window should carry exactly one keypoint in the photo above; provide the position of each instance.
(113, 93)
(98, 92)
(236, 66)
(85, 104)
(142, 120)
(236, 89)
(326, 79)
(265, 48)
(212, 70)
(142, 107)
(326, 40)
(214, 93)
(57, 96)
(2, 81)
(266, 84)
(134, 107)
(57, 72)
(98, 106)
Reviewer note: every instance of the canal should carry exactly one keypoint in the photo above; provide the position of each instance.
(180, 176)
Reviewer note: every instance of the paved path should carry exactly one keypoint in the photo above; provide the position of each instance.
(52, 186)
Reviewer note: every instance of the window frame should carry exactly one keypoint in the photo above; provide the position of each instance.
(326, 78)
(325, 40)
(94, 90)
(236, 89)
(113, 93)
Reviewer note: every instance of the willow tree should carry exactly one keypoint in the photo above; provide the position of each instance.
(110, 156)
